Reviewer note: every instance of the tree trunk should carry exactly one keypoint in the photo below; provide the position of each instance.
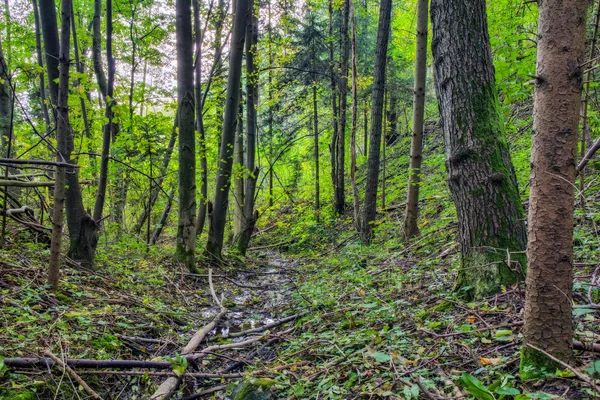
(62, 132)
(416, 147)
(584, 106)
(355, 195)
(218, 217)
(79, 68)
(366, 129)
(238, 165)
(97, 48)
(334, 106)
(51, 46)
(340, 203)
(186, 227)
(548, 303)
(201, 218)
(316, 130)
(370, 205)
(107, 129)
(163, 218)
(270, 115)
(40, 62)
(248, 215)
(156, 188)
(480, 173)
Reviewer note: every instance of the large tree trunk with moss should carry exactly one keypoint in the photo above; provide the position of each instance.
(548, 313)
(480, 173)
(370, 201)
(416, 148)
(186, 227)
(218, 216)
(339, 189)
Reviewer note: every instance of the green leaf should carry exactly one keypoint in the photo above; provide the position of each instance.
(507, 390)
(381, 357)
(475, 387)
(577, 312)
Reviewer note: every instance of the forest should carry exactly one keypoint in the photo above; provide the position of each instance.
(299, 199)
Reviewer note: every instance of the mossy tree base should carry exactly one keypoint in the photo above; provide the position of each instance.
(535, 365)
(483, 273)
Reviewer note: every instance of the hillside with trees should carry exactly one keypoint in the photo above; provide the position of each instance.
(299, 199)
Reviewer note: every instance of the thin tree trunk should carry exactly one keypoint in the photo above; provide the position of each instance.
(40, 62)
(366, 128)
(201, 218)
(156, 188)
(62, 132)
(416, 148)
(385, 128)
(584, 106)
(163, 218)
(270, 116)
(334, 106)
(316, 130)
(97, 48)
(107, 129)
(370, 205)
(51, 46)
(249, 217)
(548, 301)
(79, 68)
(186, 227)
(340, 198)
(218, 217)
(480, 173)
(355, 195)
(238, 165)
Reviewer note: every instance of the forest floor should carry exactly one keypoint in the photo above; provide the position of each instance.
(327, 319)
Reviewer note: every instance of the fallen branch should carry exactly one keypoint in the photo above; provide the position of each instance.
(578, 374)
(588, 156)
(168, 387)
(205, 392)
(487, 328)
(65, 367)
(269, 326)
(82, 363)
(10, 161)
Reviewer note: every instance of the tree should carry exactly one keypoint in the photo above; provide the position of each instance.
(218, 216)
(558, 83)
(480, 173)
(412, 202)
(186, 227)
(370, 201)
(62, 133)
(249, 216)
(340, 197)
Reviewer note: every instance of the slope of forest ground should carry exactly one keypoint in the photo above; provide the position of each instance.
(358, 322)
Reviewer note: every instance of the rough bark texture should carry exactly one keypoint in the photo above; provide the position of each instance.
(316, 134)
(480, 173)
(248, 215)
(416, 147)
(218, 216)
(548, 303)
(340, 198)
(186, 227)
(370, 202)
(62, 132)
